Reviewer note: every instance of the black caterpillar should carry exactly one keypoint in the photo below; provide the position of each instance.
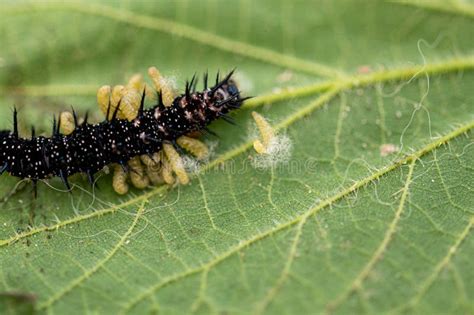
(90, 147)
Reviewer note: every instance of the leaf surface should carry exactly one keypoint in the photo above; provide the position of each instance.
(372, 213)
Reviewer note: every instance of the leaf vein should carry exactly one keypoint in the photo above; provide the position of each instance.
(77, 281)
(271, 294)
(80, 217)
(356, 284)
(187, 32)
(334, 87)
(312, 211)
(443, 263)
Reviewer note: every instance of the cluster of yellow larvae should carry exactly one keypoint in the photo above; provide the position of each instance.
(164, 167)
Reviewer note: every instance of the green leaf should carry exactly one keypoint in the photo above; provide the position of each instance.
(373, 212)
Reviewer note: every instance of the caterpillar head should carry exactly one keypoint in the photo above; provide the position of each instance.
(225, 95)
(198, 109)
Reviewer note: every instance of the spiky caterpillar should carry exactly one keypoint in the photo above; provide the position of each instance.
(90, 147)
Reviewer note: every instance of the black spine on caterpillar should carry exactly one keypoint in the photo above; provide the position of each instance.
(90, 147)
